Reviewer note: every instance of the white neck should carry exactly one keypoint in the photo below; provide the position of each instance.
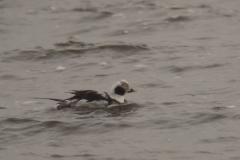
(112, 91)
(117, 97)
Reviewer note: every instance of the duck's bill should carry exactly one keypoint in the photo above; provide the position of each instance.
(132, 90)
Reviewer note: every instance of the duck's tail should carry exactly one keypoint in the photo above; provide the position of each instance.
(61, 102)
(53, 99)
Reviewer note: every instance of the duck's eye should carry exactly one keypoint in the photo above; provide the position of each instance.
(126, 86)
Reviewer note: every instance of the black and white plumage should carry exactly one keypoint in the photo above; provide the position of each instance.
(96, 99)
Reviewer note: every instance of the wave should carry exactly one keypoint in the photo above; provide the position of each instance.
(72, 48)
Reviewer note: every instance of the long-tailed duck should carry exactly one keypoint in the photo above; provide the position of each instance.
(96, 99)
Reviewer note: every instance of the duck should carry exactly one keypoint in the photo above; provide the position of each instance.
(96, 99)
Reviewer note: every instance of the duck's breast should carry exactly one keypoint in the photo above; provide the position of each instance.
(93, 104)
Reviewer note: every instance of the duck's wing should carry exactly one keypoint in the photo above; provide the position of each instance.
(89, 95)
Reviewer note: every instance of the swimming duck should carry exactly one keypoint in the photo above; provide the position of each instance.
(96, 99)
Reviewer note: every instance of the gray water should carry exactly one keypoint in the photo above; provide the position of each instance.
(182, 57)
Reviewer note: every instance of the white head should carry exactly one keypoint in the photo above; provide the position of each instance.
(121, 88)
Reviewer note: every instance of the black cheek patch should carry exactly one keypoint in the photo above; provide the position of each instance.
(119, 90)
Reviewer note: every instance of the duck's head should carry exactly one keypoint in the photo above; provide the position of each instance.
(121, 88)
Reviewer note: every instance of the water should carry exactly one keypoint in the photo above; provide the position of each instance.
(182, 57)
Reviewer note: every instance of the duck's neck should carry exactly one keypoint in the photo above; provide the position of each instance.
(117, 97)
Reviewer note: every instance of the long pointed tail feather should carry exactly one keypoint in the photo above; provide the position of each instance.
(54, 99)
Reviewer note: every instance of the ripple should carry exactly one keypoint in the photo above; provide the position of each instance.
(200, 118)
(53, 124)
(30, 127)
(18, 120)
(8, 77)
(79, 155)
(74, 44)
(218, 91)
(178, 18)
(169, 103)
(155, 85)
(95, 16)
(81, 9)
(116, 47)
(57, 156)
(221, 139)
(75, 49)
(179, 69)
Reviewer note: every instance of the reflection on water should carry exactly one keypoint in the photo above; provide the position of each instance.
(182, 57)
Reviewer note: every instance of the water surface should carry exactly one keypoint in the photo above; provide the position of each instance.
(182, 57)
